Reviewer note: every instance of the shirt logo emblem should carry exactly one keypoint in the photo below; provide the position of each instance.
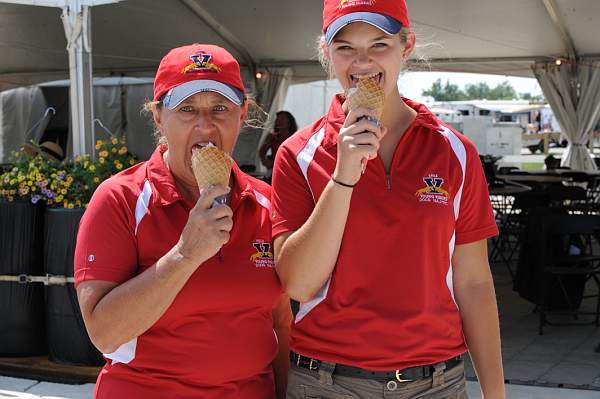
(263, 256)
(433, 191)
(201, 63)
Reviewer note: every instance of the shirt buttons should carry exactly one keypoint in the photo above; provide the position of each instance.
(392, 385)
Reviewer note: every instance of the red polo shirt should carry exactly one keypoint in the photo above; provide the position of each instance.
(389, 303)
(216, 340)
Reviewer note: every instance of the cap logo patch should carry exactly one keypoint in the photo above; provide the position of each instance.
(433, 191)
(201, 63)
(263, 256)
(350, 3)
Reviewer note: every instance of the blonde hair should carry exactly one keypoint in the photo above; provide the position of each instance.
(324, 59)
(256, 117)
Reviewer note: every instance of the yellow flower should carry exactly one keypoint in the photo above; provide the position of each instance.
(92, 168)
(114, 150)
(131, 161)
(119, 166)
(78, 158)
(71, 206)
(114, 141)
(103, 154)
(69, 179)
(99, 143)
(29, 183)
(63, 191)
(101, 160)
(96, 179)
(122, 150)
(78, 202)
(59, 198)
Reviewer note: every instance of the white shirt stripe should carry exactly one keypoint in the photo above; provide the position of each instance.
(304, 159)
(124, 353)
(143, 201)
(461, 154)
(307, 154)
(262, 200)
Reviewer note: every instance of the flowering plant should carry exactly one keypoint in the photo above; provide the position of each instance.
(27, 178)
(69, 183)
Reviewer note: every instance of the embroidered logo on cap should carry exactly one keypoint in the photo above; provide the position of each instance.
(433, 191)
(201, 63)
(263, 257)
(350, 3)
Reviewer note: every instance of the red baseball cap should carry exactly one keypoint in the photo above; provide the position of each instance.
(196, 68)
(388, 15)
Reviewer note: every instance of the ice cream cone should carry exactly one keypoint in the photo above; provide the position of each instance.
(211, 166)
(369, 94)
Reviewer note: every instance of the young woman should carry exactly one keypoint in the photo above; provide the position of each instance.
(388, 259)
(179, 292)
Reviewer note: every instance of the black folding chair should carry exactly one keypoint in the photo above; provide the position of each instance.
(558, 257)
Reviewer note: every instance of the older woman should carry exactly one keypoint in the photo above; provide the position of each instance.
(179, 292)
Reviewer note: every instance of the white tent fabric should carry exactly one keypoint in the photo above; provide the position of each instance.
(20, 110)
(130, 37)
(573, 92)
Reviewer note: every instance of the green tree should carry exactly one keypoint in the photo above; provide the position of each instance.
(530, 97)
(447, 92)
(477, 91)
(503, 91)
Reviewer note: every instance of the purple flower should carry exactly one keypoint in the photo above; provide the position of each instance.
(35, 199)
(61, 175)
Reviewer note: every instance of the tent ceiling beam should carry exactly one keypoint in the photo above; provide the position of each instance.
(559, 23)
(222, 31)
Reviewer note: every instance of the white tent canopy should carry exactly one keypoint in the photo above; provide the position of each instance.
(130, 37)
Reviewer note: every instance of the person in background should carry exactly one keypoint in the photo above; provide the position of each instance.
(180, 292)
(285, 126)
(380, 229)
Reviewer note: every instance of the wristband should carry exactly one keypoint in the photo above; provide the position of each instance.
(342, 184)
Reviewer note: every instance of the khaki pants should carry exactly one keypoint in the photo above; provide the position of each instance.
(306, 384)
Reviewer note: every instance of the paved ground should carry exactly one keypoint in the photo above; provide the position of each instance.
(28, 389)
(563, 357)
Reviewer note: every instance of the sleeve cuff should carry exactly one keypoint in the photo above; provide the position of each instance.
(476, 235)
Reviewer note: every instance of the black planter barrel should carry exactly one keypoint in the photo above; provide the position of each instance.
(68, 342)
(21, 305)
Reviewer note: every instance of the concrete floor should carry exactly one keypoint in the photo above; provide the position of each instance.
(29, 389)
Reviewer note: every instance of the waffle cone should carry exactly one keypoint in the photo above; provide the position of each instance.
(211, 166)
(369, 94)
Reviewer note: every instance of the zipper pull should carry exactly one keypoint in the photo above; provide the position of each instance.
(388, 182)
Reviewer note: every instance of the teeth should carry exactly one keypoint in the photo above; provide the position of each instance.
(204, 144)
(365, 76)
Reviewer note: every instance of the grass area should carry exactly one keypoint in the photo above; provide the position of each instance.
(532, 165)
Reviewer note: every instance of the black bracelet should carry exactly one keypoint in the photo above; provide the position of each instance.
(342, 184)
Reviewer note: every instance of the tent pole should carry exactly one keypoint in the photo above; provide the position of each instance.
(77, 21)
